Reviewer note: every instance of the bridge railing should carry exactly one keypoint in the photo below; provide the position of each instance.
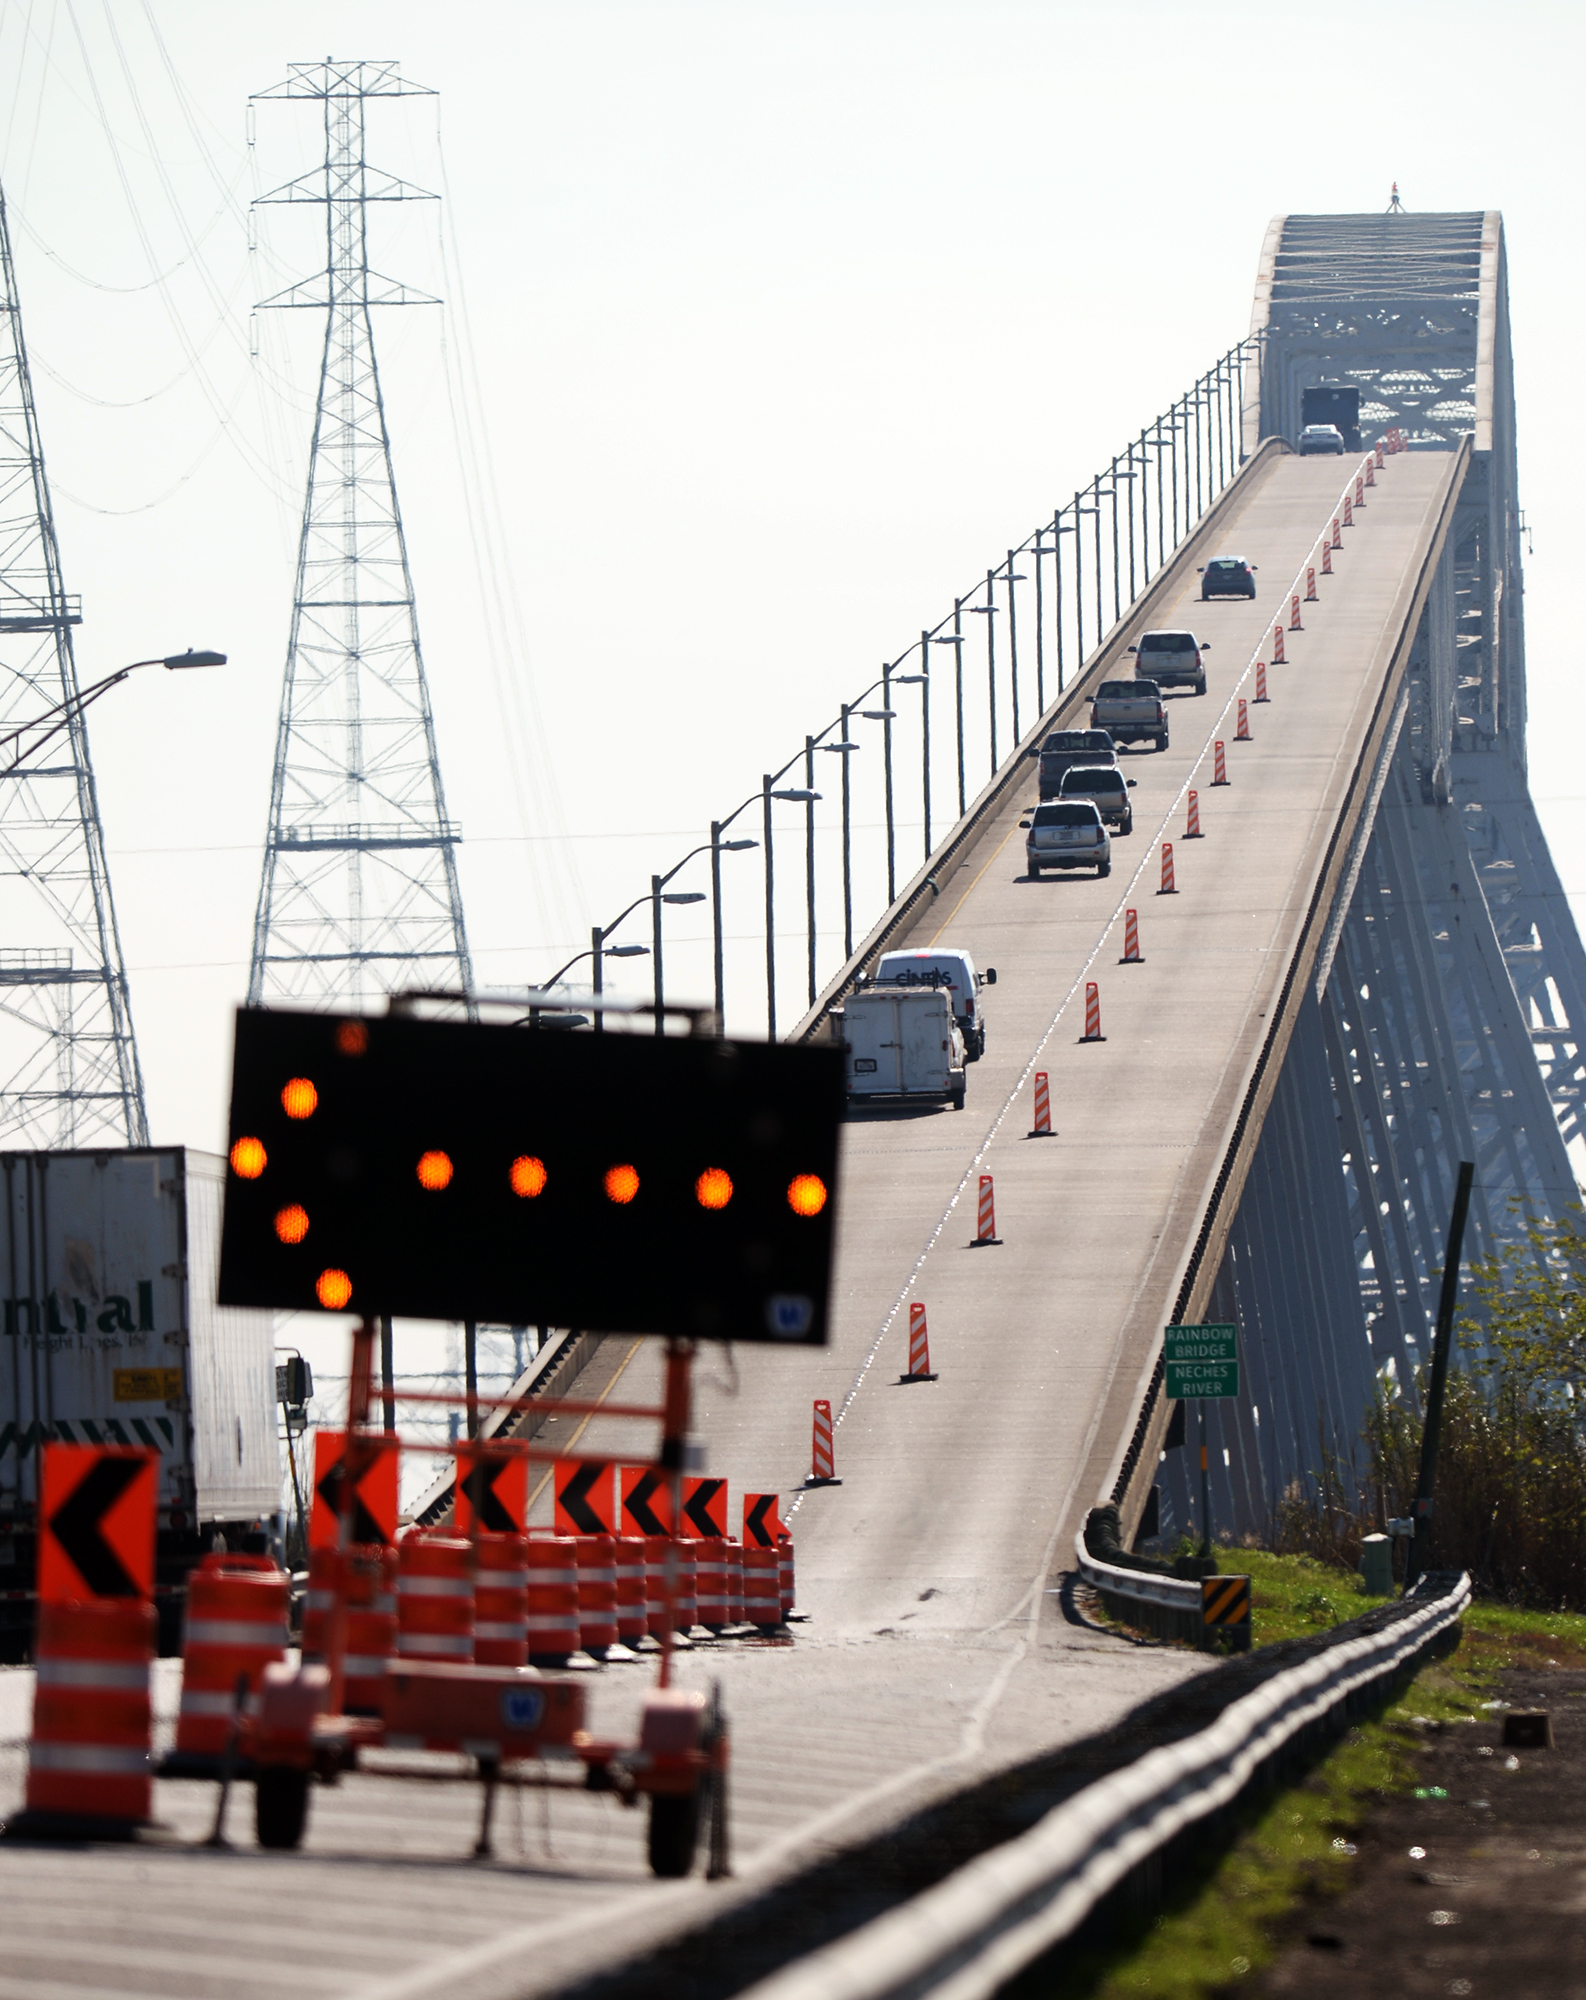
(1014, 640)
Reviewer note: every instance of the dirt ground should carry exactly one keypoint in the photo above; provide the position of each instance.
(1481, 1892)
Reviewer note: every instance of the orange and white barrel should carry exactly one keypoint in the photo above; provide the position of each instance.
(656, 1548)
(762, 1588)
(89, 1753)
(597, 1592)
(318, 1600)
(784, 1558)
(236, 1625)
(552, 1618)
(710, 1583)
(685, 1607)
(501, 1601)
(633, 1621)
(734, 1554)
(371, 1626)
(435, 1597)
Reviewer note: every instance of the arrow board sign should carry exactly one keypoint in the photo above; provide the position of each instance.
(97, 1510)
(1201, 1361)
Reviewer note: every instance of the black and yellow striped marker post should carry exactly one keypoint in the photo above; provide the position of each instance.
(1225, 1613)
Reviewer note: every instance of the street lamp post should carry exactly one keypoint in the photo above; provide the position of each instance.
(61, 714)
(795, 795)
(598, 950)
(923, 682)
(845, 750)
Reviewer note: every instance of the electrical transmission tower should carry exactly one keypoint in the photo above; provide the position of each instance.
(359, 895)
(69, 1071)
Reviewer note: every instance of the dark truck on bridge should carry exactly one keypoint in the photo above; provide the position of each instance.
(1130, 712)
(1067, 747)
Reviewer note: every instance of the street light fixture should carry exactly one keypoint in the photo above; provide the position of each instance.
(61, 714)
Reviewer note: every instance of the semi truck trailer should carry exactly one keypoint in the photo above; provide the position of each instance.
(112, 1336)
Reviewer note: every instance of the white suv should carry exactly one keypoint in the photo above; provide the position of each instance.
(1067, 833)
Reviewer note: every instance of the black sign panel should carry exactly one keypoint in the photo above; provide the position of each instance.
(442, 1170)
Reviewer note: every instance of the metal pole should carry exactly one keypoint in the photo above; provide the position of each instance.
(1040, 629)
(1206, 1488)
(1117, 601)
(1095, 494)
(716, 926)
(959, 695)
(471, 1375)
(597, 940)
(1079, 586)
(770, 916)
(848, 864)
(1415, 1561)
(659, 984)
(1161, 546)
(1057, 592)
(886, 753)
(1135, 468)
(809, 860)
(1013, 646)
(991, 658)
(387, 1372)
(925, 733)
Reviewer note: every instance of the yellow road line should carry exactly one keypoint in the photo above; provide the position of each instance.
(584, 1426)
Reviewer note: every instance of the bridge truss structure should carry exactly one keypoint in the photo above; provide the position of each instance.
(359, 895)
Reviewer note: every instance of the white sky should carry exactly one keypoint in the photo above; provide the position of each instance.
(787, 320)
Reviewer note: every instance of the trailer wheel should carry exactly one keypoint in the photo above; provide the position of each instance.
(280, 1806)
(674, 1832)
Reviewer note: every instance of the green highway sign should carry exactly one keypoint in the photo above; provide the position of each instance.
(1201, 1360)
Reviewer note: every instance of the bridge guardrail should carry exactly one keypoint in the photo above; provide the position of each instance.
(1169, 1606)
(967, 1936)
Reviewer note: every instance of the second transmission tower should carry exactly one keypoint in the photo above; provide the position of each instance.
(359, 895)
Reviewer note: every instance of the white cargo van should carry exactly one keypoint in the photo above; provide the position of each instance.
(901, 1041)
(946, 965)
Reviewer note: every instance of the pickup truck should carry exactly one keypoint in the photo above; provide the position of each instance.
(1130, 712)
(901, 1041)
(1071, 746)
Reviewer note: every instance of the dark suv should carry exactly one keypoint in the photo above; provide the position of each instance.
(1228, 576)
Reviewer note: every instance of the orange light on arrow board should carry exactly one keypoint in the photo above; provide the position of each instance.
(806, 1194)
(527, 1176)
(713, 1189)
(434, 1171)
(621, 1184)
(248, 1159)
(352, 1038)
(299, 1098)
(333, 1289)
(291, 1224)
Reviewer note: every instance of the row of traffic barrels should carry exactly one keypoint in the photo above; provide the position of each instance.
(516, 1600)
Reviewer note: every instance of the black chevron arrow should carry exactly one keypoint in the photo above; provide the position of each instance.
(697, 1507)
(754, 1522)
(636, 1505)
(480, 1487)
(574, 1499)
(332, 1488)
(75, 1524)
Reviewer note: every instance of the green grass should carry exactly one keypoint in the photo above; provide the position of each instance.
(1223, 1924)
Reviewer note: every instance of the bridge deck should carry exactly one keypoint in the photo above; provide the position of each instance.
(936, 1643)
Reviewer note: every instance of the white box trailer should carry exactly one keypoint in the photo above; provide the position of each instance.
(108, 1262)
(901, 1041)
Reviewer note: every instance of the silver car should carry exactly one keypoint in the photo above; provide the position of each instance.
(1320, 437)
(1067, 833)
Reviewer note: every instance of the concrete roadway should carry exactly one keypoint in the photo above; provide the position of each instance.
(936, 1645)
